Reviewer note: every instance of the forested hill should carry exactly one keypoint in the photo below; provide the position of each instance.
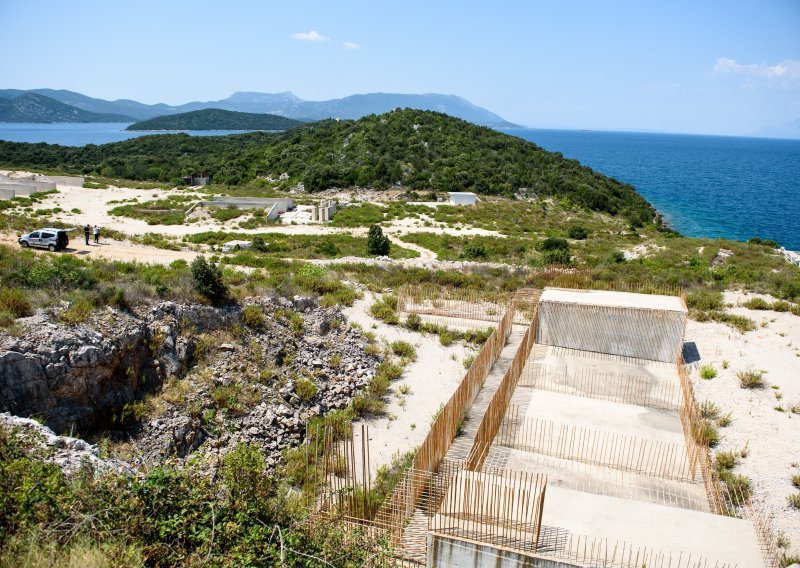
(216, 119)
(420, 150)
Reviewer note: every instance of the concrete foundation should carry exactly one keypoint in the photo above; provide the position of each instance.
(634, 325)
(71, 181)
(27, 188)
(449, 552)
(670, 529)
(323, 212)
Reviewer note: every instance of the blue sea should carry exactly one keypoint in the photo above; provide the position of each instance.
(705, 186)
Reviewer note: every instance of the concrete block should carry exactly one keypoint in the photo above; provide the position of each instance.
(72, 181)
(6, 193)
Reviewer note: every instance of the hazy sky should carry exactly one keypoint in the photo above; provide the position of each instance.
(725, 67)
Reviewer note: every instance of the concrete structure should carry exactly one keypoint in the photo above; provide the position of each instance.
(232, 246)
(462, 198)
(323, 212)
(622, 481)
(619, 323)
(273, 205)
(71, 181)
(197, 179)
(6, 192)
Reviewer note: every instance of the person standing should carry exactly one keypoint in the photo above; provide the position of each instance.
(86, 230)
(97, 234)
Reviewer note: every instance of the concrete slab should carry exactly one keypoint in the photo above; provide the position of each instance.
(604, 415)
(602, 480)
(614, 299)
(668, 529)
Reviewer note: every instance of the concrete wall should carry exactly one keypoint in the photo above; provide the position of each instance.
(6, 193)
(656, 335)
(462, 198)
(445, 551)
(323, 212)
(25, 188)
(282, 204)
(72, 181)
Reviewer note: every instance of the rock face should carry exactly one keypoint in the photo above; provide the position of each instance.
(75, 378)
(69, 454)
(213, 381)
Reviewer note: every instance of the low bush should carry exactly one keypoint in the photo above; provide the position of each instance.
(707, 372)
(404, 349)
(578, 232)
(750, 379)
(305, 389)
(15, 302)
(794, 500)
(253, 316)
(207, 280)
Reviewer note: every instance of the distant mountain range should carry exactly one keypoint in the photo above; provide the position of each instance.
(216, 119)
(788, 130)
(32, 107)
(281, 104)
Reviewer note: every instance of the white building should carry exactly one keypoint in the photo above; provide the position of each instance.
(462, 198)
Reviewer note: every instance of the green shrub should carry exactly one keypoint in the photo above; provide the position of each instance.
(757, 304)
(78, 311)
(551, 244)
(15, 302)
(725, 461)
(207, 280)
(474, 250)
(413, 322)
(578, 232)
(404, 349)
(385, 309)
(794, 500)
(305, 389)
(253, 316)
(738, 486)
(750, 379)
(556, 256)
(378, 244)
(227, 397)
(706, 433)
(617, 257)
(708, 372)
(703, 299)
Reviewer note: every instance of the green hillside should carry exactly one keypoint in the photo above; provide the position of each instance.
(418, 150)
(30, 107)
(216, 119)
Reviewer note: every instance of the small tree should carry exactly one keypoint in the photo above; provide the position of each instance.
(378, 244)
(207, 279)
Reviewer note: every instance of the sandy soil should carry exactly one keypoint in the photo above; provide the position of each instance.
(432, 378)
(111, 250)
(772, 438)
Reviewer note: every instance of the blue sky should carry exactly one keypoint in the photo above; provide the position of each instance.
(701, 67)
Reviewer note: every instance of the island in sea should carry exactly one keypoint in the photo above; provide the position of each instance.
(216, 119)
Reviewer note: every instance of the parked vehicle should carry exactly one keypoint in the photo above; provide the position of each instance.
(49, 238)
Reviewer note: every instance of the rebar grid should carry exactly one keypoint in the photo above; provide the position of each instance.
(653, 334)
(639, 390)
(665, 460)
(601, 480)
(499, 507)
(490, 423)
(449, 305)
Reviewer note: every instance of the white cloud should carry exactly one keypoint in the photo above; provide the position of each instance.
(788, 70)
(310, 36)
(351, 45)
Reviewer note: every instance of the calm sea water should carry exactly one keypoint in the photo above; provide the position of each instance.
(705, 186)
(68, 134)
